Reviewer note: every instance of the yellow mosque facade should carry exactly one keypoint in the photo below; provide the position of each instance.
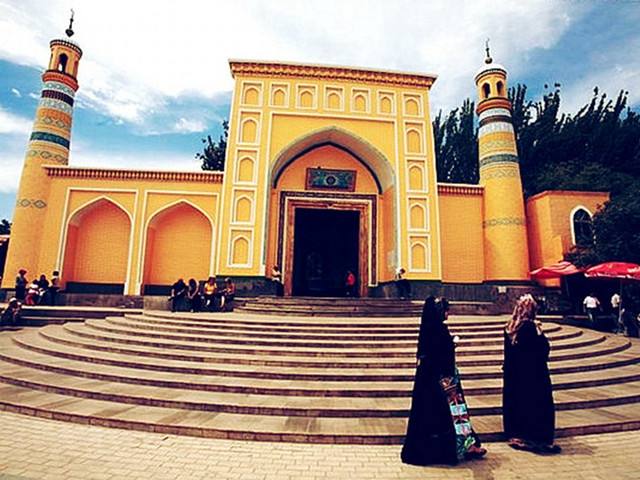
(328, 169)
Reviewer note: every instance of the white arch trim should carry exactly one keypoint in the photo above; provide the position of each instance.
(84, 206)
(145, 231)
(361, 148)
(575, 210)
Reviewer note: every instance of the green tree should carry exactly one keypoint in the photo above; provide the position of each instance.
(213, 153)
(456, 145)
(5, 227)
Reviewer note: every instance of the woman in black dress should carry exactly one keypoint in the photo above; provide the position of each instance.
(527, 397)
(434, 436)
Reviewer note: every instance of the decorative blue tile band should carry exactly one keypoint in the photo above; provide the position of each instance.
(502, 158)
(50, 137)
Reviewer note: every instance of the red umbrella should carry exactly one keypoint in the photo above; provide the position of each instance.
(556, 270)
(620, 270)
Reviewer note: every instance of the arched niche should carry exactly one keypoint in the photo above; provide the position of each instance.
(418, 256)
(360, 103)
(251, 96)
(306, 99)
(364, 152)
(416, 178)
(240, 250)
(279, 97)
(242, 209)
(334, 101)
(411, 107)
(418, 217)
(97, 247)
(178, 244)
(414, 141)
(386, 105)
(249, 131)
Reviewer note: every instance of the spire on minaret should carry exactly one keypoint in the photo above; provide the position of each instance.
(69, 31)
(488, 58)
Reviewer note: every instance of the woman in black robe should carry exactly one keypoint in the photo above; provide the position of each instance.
(527, 397)
(432, 437)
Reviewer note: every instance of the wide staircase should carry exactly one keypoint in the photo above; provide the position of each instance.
(352, 307)
(294, 379)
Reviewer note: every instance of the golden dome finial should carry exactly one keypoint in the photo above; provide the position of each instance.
(488, 58)
(69, 31)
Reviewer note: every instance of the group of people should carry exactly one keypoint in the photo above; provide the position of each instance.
(200, 296)
(621, 320)
(439, 429)
(40, 291)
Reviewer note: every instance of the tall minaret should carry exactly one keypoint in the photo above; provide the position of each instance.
(505, 228)
(48, 144)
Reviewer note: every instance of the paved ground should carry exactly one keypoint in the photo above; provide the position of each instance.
(33, 448)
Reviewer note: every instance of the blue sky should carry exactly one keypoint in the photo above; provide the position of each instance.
(154, 78)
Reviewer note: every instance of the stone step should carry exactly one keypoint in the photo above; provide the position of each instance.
(58, 343)
(95, 329)
(230, 331)
(475, 330)
(318, 322)
(281, 405)
(275, 428)
(347, 307)
(202, 381)
(320, 341)
(64, 312)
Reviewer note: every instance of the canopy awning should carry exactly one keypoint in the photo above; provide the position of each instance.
(557, 270)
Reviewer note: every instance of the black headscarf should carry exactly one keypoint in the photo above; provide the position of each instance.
(430, 324)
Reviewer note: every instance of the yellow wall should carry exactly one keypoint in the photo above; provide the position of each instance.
(549, 222)
(142, 198)
(98, 229)
(269, 115)
(462, 236)
(178, 245)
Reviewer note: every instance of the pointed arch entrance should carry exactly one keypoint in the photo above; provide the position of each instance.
(331, 191)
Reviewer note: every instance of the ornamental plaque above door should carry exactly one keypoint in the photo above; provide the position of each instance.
(328, 179)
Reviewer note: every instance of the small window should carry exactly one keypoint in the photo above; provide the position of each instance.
(500, 86)
(582, 228)
(62, 63)
(486, 90)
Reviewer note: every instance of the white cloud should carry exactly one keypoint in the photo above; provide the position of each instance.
(85, 157)
(16, 92)
(13, 124)
(189, 126)
(138, 55)
(10, 170)
(34, 95)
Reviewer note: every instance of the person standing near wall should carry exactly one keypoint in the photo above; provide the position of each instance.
(276, 278)
(54, 288)
(21, 285)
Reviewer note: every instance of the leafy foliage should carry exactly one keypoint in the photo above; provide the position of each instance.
(5, 227)
(213, 153)
(456, 145)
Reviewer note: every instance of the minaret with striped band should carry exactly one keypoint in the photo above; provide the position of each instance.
(504, 225)
(48, 145)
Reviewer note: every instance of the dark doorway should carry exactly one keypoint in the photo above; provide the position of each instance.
(325, 248)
